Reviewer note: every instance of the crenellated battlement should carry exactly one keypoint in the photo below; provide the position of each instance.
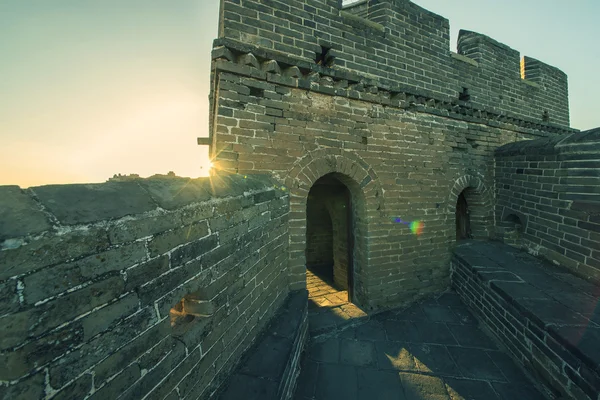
(491, 55)
(397, 42)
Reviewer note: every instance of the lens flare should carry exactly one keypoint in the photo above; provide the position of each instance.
(416, 227)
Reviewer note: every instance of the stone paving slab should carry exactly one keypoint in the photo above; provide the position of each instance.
(328, 307)
(430, 351)
(273, 348)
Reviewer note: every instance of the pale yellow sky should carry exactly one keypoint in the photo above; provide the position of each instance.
(93, 88)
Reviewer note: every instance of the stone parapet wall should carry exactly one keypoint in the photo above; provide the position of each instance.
(136, 287)
(399, 43)
(548, 199)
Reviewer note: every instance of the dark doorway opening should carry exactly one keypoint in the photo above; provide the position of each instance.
(329, 243)
(463, 221)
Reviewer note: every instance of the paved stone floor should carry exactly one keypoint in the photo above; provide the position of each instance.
(328, 307)
(430, 351)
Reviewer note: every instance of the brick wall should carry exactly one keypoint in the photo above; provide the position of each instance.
(340, 238)
(400, 43)
(382, 110)
(136, 287)
(396, 161)
(548, 199)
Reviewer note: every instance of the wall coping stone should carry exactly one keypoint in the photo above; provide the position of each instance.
(20, 214)
(587, 141)
(355, 4)
(25, 212)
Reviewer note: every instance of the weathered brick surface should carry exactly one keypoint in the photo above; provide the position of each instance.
(91, 274)
(42, 251)
(86, 293)
(60, 278)
(319, 236)
(371, 39)
(327, 231)
(548, 199)
(388, 114)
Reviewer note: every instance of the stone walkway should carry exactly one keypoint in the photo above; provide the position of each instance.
(430, 351)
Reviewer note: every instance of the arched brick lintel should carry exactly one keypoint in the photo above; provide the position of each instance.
(480, 201)
(367, 198)
(353, 171)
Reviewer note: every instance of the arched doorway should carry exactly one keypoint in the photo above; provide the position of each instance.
(471, 205)
(329, 242)
(366, 197)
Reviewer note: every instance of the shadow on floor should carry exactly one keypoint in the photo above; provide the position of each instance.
(431, 351)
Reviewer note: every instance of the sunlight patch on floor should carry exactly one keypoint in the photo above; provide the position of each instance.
(322, 291)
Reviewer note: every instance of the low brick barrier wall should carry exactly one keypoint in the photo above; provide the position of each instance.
(136, 287)
(547, 318)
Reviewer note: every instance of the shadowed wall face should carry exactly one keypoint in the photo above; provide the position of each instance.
(319, 235)
(137, 286)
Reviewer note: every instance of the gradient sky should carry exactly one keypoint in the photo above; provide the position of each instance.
(91, 88)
